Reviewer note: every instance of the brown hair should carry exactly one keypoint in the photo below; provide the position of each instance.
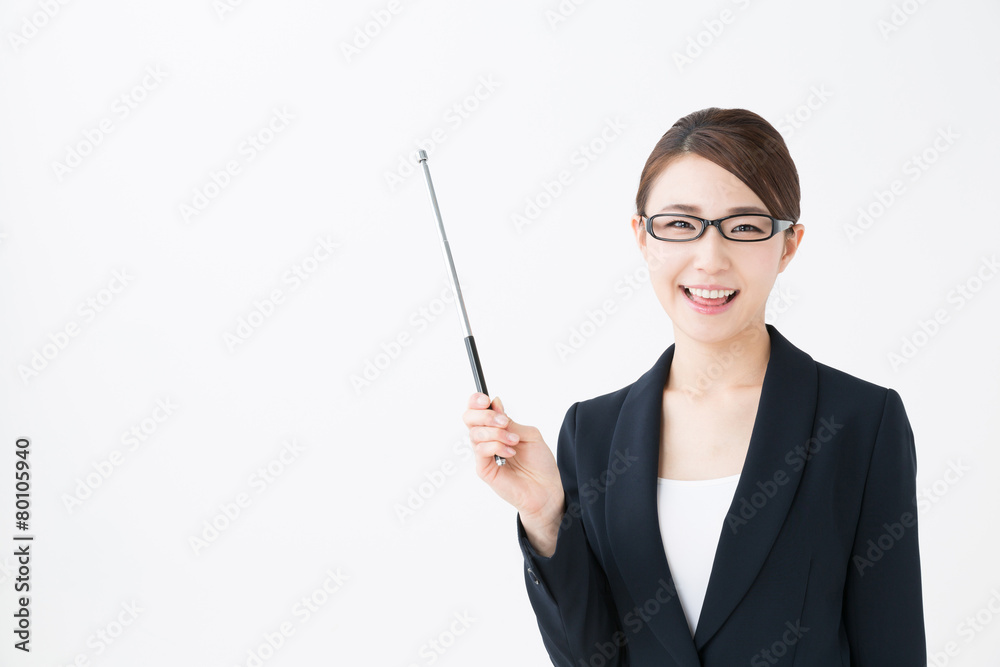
(740, 142)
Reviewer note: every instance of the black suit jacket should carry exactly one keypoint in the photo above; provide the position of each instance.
(817, 563)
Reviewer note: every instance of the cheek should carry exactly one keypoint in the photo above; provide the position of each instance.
(662, 264)
(663, 276)
(761, 267)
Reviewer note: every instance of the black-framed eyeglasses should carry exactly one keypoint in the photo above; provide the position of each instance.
(743, 227)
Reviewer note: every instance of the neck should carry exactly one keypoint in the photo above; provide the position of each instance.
(700, 369)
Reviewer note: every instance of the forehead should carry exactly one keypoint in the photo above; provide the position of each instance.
(702, 185)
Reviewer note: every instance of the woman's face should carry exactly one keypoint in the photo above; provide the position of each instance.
(710, 261)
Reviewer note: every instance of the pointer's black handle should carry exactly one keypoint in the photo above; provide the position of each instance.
(477, 372)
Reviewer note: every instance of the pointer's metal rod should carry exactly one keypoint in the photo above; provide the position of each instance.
(470, 342)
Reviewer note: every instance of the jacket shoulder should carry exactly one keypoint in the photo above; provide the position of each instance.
(593, 419)
(833, 381)
(600, 407)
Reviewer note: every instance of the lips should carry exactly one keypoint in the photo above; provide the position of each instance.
(718, 296)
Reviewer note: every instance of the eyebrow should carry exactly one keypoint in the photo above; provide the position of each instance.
(688, 208)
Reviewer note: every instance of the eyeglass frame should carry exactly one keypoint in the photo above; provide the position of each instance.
(777, 226)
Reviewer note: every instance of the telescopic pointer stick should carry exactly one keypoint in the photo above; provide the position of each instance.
(470, 342)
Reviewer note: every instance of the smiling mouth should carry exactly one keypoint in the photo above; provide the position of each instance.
(703, 298)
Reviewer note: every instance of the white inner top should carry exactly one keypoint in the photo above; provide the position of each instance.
(692, 514)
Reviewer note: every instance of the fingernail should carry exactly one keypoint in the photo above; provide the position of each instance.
(501, 420)
(483, 399)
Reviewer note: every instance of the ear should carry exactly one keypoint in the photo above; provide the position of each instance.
(639, 230)
(791, 246)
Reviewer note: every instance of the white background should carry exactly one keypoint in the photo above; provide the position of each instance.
(855, 104)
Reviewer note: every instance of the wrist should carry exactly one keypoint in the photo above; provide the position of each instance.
(548, 518)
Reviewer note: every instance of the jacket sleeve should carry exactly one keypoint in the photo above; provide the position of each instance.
(569, 590)
(883, 604)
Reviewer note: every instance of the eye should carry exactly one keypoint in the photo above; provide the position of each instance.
(677, 222)
(748, 227)
(675, 227)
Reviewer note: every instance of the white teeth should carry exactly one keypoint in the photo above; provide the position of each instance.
(710, 294)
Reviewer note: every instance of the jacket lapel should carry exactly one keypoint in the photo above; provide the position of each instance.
(784, 420)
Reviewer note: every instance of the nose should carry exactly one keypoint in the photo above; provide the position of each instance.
(711, 251)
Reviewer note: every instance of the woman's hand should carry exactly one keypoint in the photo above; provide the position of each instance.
(529, 480)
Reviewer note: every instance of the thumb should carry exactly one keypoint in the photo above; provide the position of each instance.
(498, 406)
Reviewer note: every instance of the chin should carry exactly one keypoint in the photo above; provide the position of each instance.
(709, 328)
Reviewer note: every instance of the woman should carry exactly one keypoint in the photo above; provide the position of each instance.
(739, 503)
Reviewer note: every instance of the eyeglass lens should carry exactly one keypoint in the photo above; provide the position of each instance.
(678, 227)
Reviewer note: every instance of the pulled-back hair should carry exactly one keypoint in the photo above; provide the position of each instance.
(740, 142)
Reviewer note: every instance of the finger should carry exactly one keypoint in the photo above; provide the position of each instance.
(479, 400)
(494, 434)
(500, 410)
(488, 448)
(484, 417)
